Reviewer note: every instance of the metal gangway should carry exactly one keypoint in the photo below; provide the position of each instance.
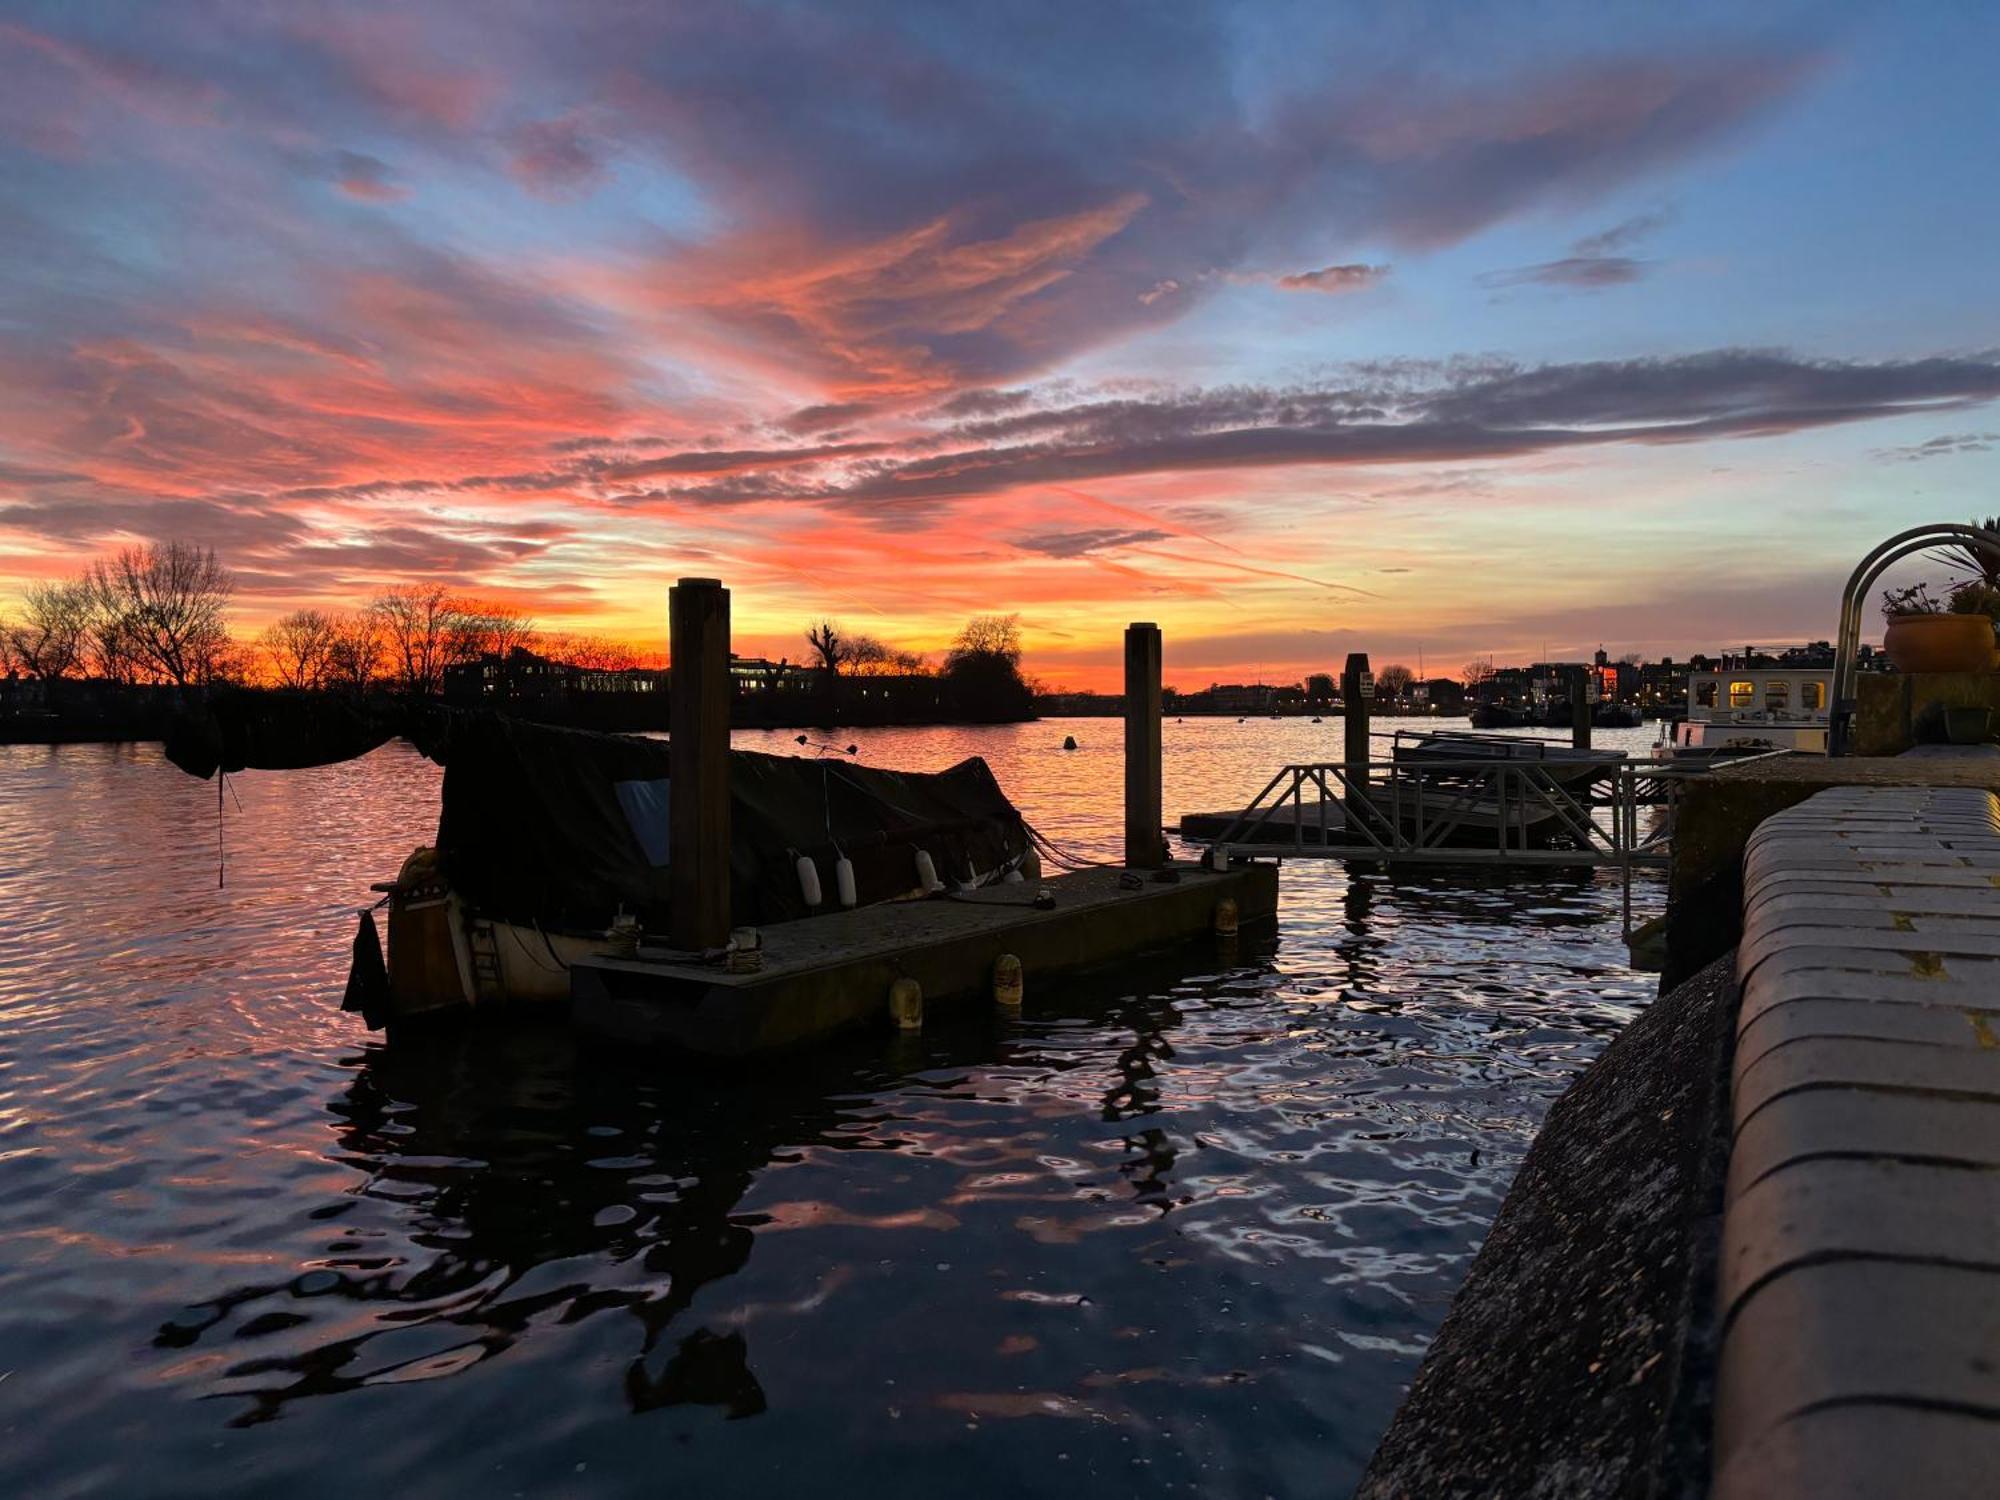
(1514, 810)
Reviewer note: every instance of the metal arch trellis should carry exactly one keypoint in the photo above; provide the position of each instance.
(1859, 584)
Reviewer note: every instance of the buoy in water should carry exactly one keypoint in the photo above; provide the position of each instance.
(1069, 742)
(1225, 917)
(906, 1005)
(1007, 984)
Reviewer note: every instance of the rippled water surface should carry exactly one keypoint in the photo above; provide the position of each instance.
(1184, 1228)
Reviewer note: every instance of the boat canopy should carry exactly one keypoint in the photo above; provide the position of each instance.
(565, 827)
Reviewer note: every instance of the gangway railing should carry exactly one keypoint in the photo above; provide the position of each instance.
(1486, 810)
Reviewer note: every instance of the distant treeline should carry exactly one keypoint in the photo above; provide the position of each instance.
(111, 652)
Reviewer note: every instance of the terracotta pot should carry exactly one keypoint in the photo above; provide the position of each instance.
(1940, 643)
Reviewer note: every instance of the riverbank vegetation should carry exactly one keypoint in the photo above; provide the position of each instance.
(106, 654)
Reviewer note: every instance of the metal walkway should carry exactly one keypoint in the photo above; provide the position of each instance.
(1561, 812)
(1481, 811)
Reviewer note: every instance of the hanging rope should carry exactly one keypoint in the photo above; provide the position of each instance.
(1061, 858)
(222, 780)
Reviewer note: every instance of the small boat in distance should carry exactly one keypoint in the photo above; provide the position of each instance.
(1752, 710)
(1566, 764)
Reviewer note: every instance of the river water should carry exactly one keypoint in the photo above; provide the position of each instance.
(1182, 1229)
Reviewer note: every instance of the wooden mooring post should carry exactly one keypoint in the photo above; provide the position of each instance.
(1357, 692)
(698, 793)
(1145, 845)
(1579, 708)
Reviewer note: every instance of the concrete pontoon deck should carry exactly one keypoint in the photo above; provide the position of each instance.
(832, 972)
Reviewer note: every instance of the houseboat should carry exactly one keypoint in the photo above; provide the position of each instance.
(1745, 710)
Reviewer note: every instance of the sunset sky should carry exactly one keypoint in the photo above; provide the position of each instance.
(1299, 329)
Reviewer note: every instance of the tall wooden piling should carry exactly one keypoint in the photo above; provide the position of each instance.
(698, 795)
(1357, 692)
(1579, 708)
(1145, 846)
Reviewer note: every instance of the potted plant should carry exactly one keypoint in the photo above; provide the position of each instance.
(1923, 636)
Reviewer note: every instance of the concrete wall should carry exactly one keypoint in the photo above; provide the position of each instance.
(1890, 705)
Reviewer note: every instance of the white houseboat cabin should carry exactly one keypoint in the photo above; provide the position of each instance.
(1738, 710)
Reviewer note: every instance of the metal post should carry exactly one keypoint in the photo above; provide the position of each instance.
(1579, 709)
(1145, 847)
(698, 794)
(1357, 692)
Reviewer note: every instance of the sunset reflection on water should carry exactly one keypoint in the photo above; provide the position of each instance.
(1185, 1226)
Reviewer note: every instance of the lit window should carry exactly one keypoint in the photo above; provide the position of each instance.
(1778, 696)
(1812, 695)
(1742, 694)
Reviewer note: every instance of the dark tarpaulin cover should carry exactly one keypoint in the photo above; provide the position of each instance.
(534, 827)
(566, 826)
(239, 729)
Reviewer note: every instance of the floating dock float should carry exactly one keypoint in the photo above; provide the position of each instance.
(1750, 1252)
(835, 972)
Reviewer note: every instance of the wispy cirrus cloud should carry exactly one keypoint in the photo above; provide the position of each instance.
(1596, 260)
(1944, 445)
(362, 176)
(1082, 543)
(1335, 279)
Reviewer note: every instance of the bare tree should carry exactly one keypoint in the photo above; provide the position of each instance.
(300, 647)
(592, 653)
(491, 630)
(355, 652)
(49, 639)
(829, 644)
(982, 671)
(168, 600)
(990, 635)
(1394, 682)
(110, 649)
(1477, 671)
(423, 633)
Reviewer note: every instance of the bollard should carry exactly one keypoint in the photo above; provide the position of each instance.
(698, 754)
(1357, 690)
(1008, 987)
(1225, 917)
(906, 1005)
(1145, 848)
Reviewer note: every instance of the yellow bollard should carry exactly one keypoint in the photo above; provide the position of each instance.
(1225, 917)
(906, 1005)
(1008, 989)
